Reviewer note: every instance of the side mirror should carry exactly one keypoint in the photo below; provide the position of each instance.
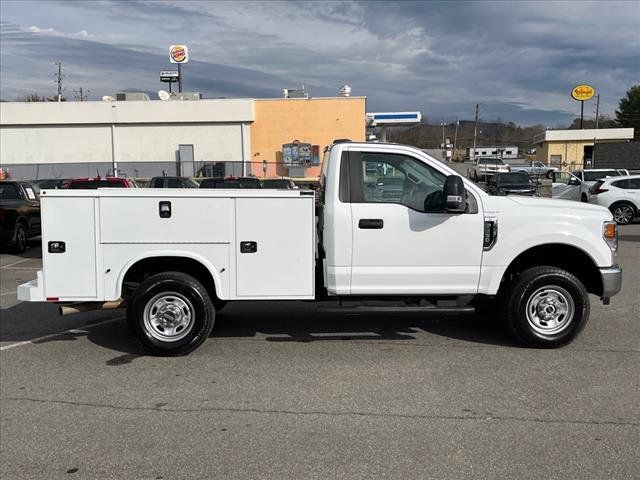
(455, 195)
(573, 181)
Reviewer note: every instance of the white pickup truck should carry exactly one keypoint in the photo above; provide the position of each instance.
(175, 256)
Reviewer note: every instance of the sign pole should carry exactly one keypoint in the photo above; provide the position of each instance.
(180, 78)
(581, 110)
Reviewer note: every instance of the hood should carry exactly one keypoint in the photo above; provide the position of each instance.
(569, 206)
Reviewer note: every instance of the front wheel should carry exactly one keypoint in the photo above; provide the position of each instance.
(20, 244)
(546, 307)
(171, 314)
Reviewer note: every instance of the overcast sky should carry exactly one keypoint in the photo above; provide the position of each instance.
(519, 60)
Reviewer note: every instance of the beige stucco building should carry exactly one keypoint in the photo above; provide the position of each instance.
(573, 149)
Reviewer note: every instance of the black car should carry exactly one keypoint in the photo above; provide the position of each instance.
(50, 183)
(173, 182)
(231, 182)
(19, 214)
(512, 183)
(279, 183)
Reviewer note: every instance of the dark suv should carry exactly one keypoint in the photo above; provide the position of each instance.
(19, 214)
(231, 182)
(95, 183)
(172, 182)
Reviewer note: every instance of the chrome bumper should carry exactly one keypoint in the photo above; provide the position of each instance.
(611, 282)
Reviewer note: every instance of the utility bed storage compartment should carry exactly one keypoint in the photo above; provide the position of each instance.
(275, 247)
(69, 270)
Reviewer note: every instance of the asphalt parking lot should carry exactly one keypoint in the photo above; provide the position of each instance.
(280, 391)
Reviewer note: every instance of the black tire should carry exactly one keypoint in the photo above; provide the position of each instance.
(623, 213)
(179, 292)
(519, 304)
(20, 242)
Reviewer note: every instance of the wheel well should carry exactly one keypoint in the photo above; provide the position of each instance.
(146, 267)
(624, 202)
(566, 257)
(23, 221)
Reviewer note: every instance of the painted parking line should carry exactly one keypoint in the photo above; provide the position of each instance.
(16, 263)
(66, 332)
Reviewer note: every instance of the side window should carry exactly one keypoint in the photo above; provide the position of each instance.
(621, 184)
(634, 183)
(392, 178)
(173, 183)
(8, 191)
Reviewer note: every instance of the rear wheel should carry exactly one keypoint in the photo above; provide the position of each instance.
(171, 313)
(20, 244)
(623, 213)
(546, 307)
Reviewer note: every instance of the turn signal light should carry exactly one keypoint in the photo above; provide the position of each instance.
(610, 234)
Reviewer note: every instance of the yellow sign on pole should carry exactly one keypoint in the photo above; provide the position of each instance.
(583, 92)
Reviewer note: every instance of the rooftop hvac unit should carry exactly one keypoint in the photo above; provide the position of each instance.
(345, 91)
(186, 96)
(132, 97)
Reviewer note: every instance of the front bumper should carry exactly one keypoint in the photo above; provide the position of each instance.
(611, 282)
(32, 291)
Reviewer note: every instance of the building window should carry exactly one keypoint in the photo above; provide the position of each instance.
(556, 159)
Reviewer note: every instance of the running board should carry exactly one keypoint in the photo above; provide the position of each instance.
(395, 309)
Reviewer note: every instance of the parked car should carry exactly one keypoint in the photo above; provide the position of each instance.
(534, 169)
(19, 214)
(285, 183)
(589, 176)
(231, 182)
(484, 167)
(576, 185)
(173, 182)
(621, 195)
(94, 183)
(511, 183)
(50, 183)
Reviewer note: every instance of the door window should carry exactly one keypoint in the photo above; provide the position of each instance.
(393, 178)
(8, 191)
(634, 183)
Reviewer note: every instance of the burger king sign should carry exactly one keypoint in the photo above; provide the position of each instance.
(178, 54)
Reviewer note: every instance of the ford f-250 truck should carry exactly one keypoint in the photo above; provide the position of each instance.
(173, 257)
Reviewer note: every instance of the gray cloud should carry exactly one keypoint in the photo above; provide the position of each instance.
(517, 59)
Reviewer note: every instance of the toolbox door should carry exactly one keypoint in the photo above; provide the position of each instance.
(69, 247)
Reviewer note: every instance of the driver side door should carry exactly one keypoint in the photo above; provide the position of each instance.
(403, 240)
(565, 186)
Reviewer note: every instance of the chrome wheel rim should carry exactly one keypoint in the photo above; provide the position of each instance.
(623, 214)
(550, 310)
(168, 317)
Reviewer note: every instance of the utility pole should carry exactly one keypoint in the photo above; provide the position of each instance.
(597, 108)
(81, 94)
(455, 138)
(475, 131)
(59, 80)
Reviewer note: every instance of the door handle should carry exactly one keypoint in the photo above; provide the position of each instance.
(370, 223)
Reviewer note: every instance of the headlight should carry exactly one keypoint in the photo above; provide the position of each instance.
(610, 234)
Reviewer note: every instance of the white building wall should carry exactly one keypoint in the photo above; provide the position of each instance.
(79, 133)
(158, 143)
(55, 144)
